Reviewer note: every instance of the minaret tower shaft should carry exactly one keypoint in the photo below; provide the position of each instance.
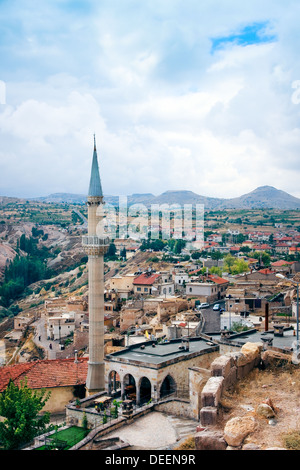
(95, 245)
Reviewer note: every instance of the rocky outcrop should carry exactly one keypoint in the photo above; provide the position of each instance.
(265, 411)
(210, 440)
(272, 358)
(236, 429)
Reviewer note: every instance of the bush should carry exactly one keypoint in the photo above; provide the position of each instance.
(187, 444)
(292, 440)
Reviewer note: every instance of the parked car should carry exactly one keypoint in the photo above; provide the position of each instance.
(216, 307)
(204, 305)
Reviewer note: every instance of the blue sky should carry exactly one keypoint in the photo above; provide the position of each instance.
(256, 33)
(192, 95)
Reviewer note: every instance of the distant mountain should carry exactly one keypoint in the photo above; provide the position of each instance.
(264, 197)
(62, 197)
(261, 197)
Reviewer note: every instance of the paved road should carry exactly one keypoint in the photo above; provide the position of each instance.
(41, 340)
(212, 319)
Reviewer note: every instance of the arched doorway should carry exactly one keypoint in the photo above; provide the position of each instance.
(168, 386)
(145, 391)
(129, 387)
(114, 384)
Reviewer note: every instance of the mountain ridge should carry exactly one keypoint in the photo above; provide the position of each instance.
(263, 197)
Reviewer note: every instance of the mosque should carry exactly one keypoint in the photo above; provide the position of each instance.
(147, 371)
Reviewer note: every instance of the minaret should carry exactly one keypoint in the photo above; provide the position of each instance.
(95, 245)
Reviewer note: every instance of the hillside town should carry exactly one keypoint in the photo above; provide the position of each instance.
(172, 309)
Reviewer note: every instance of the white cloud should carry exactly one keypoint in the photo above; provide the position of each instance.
(167, 113)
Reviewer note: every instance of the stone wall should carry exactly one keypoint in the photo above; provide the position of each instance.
(226, 370)
(175, 407)
(197, 379)
(166, 309)
(129, 317)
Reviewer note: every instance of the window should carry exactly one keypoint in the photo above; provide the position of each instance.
(145, 289)
(138, 289)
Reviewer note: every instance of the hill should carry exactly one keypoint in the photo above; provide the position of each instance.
(264, 197)
(261, 197)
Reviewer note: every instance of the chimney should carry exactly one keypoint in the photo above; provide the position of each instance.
(267, 316)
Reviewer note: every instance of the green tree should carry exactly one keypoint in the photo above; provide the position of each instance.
(216, 255)
(234, 265)
(264, 256)
(179, 245)
(19, 406)
(196, 255)
(240, 266)
(229, 261)
(111, 253)
(216, 270)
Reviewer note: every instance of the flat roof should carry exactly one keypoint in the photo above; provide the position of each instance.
(165, 352)
(284, 343)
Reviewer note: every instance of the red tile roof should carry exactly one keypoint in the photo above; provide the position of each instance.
(46, 373)
(196, 271)
(217, 279)
(266, 271)
(146, 279)
(282, 263)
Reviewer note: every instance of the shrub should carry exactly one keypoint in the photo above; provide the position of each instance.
(292, 440)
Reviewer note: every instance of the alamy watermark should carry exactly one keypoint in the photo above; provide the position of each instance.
(158, 221)
(296, 94)
(2, 92)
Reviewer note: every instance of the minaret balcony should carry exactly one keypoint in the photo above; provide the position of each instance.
(94, 241)
(95, 246)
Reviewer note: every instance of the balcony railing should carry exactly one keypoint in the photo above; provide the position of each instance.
(94, 241)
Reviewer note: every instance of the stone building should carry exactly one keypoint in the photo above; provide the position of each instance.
(150, 370)
(210, 291)
(64, 378)
(122, 285)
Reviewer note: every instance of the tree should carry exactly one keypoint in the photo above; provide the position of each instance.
(240, 266)
(229, 261)
(216, 270)
(19, 406)
(234, 265)
(263, 256)
(216, 255)
(179, 245)
(196, 255)
(111, 253)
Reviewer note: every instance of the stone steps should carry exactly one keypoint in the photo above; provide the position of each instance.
(183, 428)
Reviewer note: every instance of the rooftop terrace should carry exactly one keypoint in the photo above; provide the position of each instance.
(154, 355)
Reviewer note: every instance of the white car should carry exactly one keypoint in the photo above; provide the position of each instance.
(204, 305)
(216, 307)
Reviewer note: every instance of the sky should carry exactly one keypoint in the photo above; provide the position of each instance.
(197, 95)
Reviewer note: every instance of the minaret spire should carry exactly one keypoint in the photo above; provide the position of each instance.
(95, 188)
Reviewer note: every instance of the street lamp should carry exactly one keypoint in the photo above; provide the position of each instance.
(281, 276)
